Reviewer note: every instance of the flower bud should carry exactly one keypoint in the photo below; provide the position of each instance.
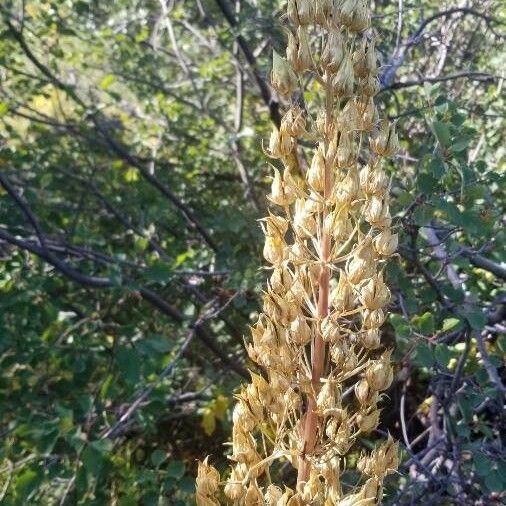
(283, 78)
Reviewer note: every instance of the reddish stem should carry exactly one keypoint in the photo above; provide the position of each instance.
(317, 352)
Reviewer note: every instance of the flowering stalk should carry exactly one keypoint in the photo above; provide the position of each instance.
(327, 240)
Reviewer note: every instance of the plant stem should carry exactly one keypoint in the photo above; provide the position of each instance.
(318, 345)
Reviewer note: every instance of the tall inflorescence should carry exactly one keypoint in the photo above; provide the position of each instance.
(327, 238)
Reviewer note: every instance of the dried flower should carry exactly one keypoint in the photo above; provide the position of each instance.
(327, 243)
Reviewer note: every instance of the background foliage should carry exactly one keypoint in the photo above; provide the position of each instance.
(131, 176)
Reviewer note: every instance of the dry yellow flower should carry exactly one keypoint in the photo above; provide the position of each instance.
(317, 339)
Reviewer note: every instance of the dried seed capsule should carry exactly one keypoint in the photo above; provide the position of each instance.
(368, 422)
(360, 19)
(300, 12)
(361, 265)
(304, 223)
(323, 12)
(377, 212)
(328, 396)
(300, 331)
(208, 478)
(347, 189)
(370, 339)
(243, 417)
(373, 319)
(253, 496)
(344, 79)
(330, 331)
(316, 173)
(234, 489)
(334, 51)
(283, 78)
(386, 142)
(273, 495)
(385, 243)
(379, 376)
(373, 180)
(374, 294)
(362, 391)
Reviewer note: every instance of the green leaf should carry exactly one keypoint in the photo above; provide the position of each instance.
(494, 481)
(442, 354)
(442, 133)
(450, 324)
(424, 323)
(26, 482)
(423, 356)
(128, 362)
(461, 143)
(476, 319)
(187, 484)
(426, 183)
(158, 457)
(93, 460)
(154, 345)
(160, 271)
(175, 469)
(107, 81)
(401, 326)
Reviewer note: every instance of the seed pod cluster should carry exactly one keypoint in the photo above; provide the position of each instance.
(327, 238)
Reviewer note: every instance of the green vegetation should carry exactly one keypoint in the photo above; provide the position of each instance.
(131, 179)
